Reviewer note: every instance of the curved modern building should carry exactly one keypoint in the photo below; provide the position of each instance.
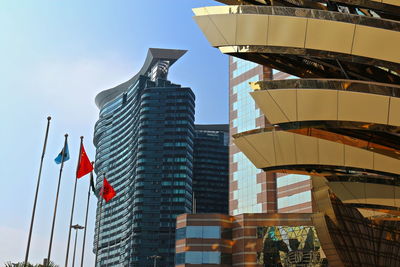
(339, 123)
(144, 140)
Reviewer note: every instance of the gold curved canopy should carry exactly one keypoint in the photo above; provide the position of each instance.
(280, 150)
(232, 29)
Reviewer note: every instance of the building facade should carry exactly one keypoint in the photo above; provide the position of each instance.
(144, 139)
(258, 240)
(338, 123)
(293, 191)
(250, 189)
(268, 210)
(253, 190)
(211, 169)
(158, 162)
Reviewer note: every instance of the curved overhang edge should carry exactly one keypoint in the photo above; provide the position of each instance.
(153, 55)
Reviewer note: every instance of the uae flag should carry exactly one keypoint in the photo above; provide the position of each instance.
(92, 183)
(107, 191)
(84, 164)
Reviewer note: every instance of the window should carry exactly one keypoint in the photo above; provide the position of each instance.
(199, 257)
(180, 233)
(194, 232)
(199, 232)
(194, 257)
(180, 258)
(213, 257)
(211, 232)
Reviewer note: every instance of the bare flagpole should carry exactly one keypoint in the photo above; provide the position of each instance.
(37, 191)
(63, 154)
(76, 227)
(73, 206)
(86, 217)
(98, 232)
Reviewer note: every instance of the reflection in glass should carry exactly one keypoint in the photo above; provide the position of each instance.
(286, 246)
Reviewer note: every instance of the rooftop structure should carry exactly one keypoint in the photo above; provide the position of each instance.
(156, 65)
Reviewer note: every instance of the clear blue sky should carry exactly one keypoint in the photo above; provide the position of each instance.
(55, 56)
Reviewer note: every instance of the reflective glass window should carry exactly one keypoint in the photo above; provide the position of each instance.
(213, 257)
(193, 257)
(291, 179)
(211, 232)
(180, 257)
(199, 232)
(180, 233)
(194, 232)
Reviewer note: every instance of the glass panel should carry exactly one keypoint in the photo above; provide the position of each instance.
(291, 179)
(194, 232)
(180, 258)
(193, 257)
(295, 199)
(292, 246)
(211, 257)
(211, 232)
(180, 233)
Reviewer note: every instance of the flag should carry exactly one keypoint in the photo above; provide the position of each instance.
(59, 158)
(107, 191)
(92, 184)
(84, 164)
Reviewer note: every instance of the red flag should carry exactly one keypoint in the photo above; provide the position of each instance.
(107, 191)
(84, 164)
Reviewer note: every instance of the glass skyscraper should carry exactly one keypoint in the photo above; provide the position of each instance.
(144, 139)
(211, 168)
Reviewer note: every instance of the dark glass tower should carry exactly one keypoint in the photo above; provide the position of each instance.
(144, 139)
(211, 168)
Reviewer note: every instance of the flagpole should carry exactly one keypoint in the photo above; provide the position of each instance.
(86, 219)
(76, 227)
(56, 201)
(37, 191)
(73, 206)
(98, 232)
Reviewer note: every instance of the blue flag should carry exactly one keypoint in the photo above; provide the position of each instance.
(66, 155)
